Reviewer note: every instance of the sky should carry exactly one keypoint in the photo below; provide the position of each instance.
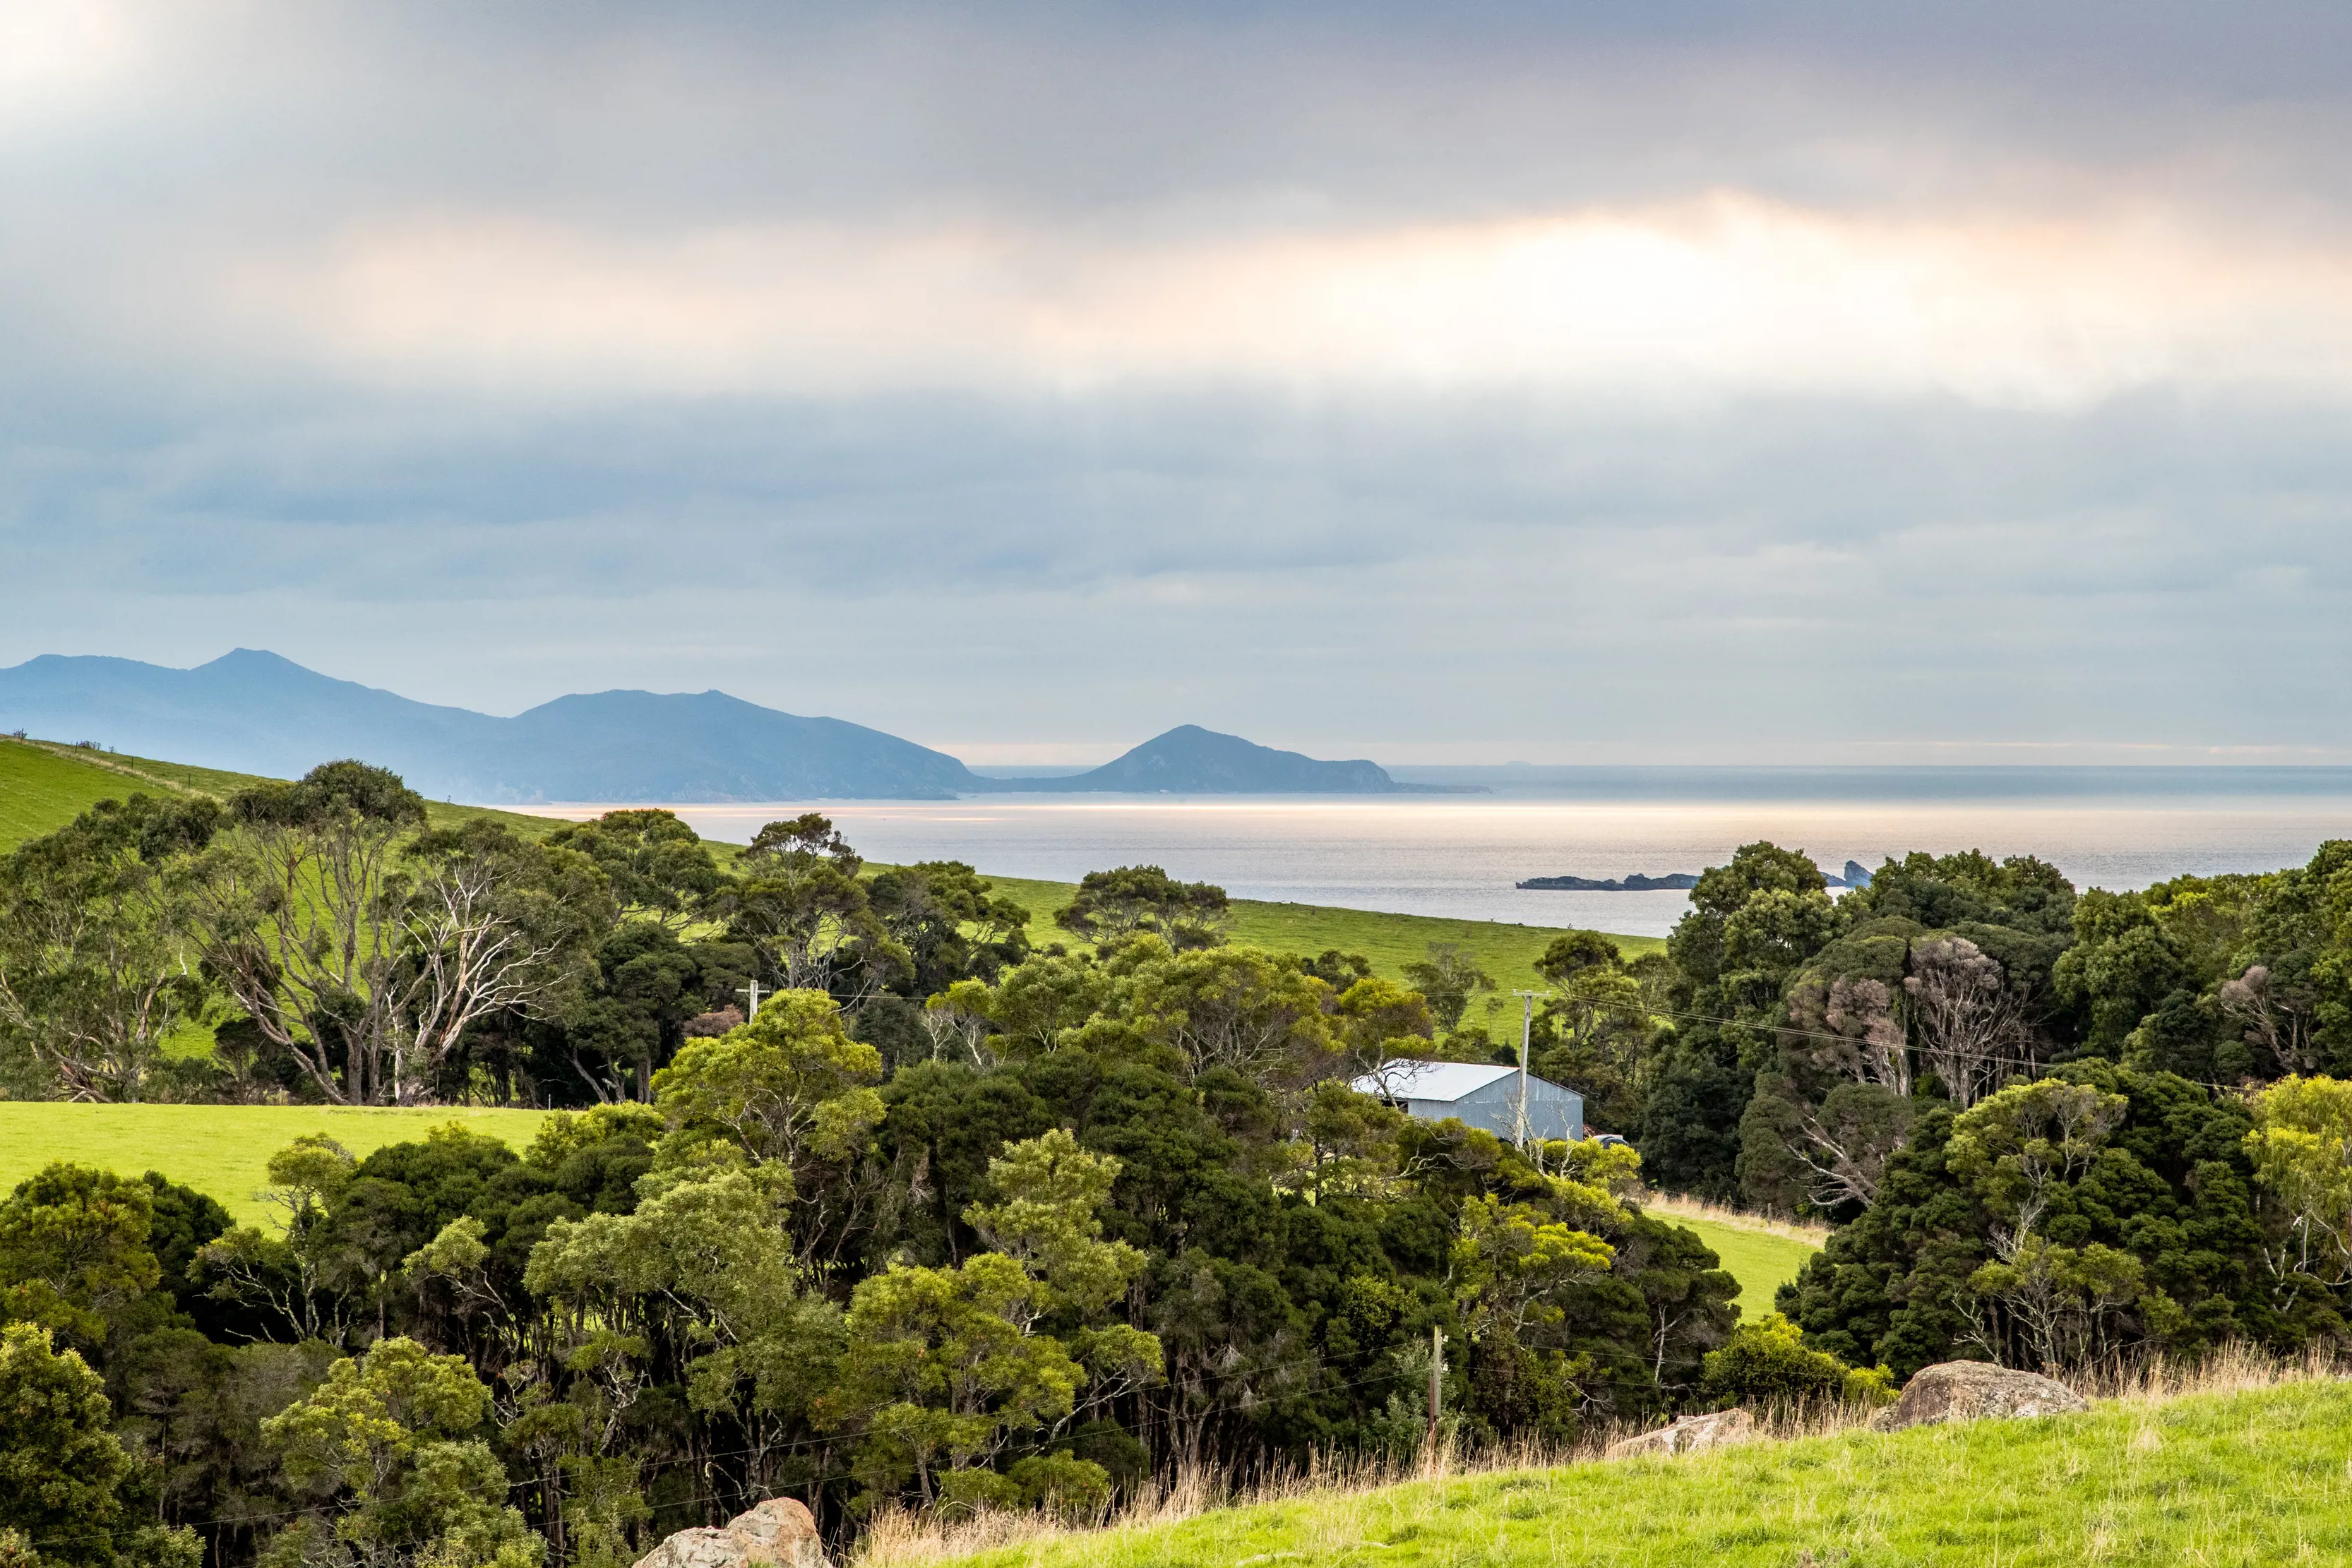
(1614, 382)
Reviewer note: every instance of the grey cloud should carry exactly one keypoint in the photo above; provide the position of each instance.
(1523, 574)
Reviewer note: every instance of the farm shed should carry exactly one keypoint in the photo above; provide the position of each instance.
(1483, 1094)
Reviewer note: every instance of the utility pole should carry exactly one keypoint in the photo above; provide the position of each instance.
(1528, 1001)
(752, 992)
(1436, 1387)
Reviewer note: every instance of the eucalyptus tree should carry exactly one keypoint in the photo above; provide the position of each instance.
(96, 955)
(363, 943)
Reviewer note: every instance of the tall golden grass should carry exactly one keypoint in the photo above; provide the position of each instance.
(1675, 1205)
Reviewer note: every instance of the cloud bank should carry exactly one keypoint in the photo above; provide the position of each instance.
(1770, 383)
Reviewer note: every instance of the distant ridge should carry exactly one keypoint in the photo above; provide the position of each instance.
(1190, 760)
(255, 712)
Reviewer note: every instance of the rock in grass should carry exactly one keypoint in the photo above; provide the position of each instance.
(1690, 1435)
(777, 1533)
(1975, 1390)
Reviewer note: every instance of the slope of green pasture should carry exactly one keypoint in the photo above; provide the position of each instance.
(43, 786)
(1762, 1261)
(2232, 1478)
(1508, 953)
(222, 1151)
(42, 790)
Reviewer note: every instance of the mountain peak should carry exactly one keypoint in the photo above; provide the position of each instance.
(1191, 760)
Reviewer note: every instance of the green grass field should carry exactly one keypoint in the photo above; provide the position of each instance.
(222, 1151)
(2235, 1479)
(45, 785)
(1388, 941)
(1762, 1261)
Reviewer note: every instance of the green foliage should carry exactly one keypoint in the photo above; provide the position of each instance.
(787, 1088)
(73, 1250)
(2064, 1219)
(64, 1476)
(1767, 1366)
(94, 920)
(388, 1445)
(656, 864)
(1145, 900)
(946, 1367)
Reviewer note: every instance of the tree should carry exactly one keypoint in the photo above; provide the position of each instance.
(302, 921)
(1969, 1021)
(1229, 1006)
(1448, 978)
(701, 1278)
(630, 1017)
(660, 869)
(74, 1250)
(1767, 1364)
(1145, 899)
(63, 1471)
(788, 1089)
(2302, 1150)
(801, 901)
(94, 935)
(951, 923)
(487, 924)
(388, 1448)
(946, 1368)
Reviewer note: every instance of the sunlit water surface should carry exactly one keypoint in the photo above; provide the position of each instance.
(1460, 855)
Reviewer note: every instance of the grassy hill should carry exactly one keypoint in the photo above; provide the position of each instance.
(1761, 1260)
(222, 1151)
(2259, 1475)
(45, 785)
(1390, 941)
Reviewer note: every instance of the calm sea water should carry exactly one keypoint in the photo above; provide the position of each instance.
(1459, 856)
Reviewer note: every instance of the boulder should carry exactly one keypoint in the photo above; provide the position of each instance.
(1974, 1391)
(777, 1533)
(1690, 1435)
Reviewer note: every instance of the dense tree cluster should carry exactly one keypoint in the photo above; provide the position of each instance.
(949, 1221)
(953, 1218)
(2057, 1128)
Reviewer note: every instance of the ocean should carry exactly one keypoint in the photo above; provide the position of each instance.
(1459, 856)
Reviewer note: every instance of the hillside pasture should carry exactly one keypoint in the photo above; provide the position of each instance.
(1388, 942)
(2260, 1476)
(222, 1151)
(44, 785)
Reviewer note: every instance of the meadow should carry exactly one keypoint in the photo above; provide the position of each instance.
(1762, 1254)
(44, 785)
(1388, 942)
(2235, 1478)
(222, 1151)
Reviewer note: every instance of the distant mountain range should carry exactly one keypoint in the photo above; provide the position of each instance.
(254, 712)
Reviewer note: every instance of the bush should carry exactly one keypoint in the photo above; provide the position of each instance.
(1766, 1364)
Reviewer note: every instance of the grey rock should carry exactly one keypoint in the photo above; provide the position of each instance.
(1975, 1391)
(1690, 1435)
(777, 1533)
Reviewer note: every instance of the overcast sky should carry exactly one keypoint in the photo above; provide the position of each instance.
(1878, 381)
